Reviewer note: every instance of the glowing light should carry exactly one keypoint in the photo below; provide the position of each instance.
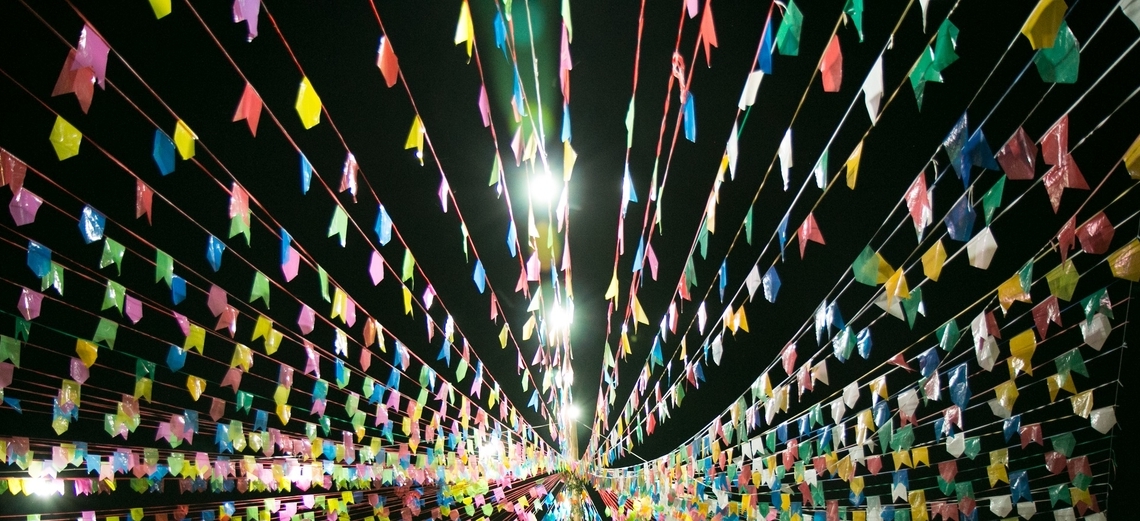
(542, 187)
(491, 449)
(43, 486)
(572, 412)
(560, 319)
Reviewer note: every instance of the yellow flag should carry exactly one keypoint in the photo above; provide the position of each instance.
(407, 301)
(196, 386)
(918, 510)
(920, 456)
(1010, 291)
(1132, 159)
(339, 305)
(272, 341)
(1007, 394)
(901, 459)
(741, 320)
(1044, 23)
(997, 473)
(528, 328)
(464, 30)
(284, 413)
(416, 136)
(853, 165)
(897, 288)
(569, 157)
(65, 138)
(612, 291)
(878, 387)
(1021, 349)
(196, 339)
(933, 260)
(262, 327)
(1058, 382)
(161, 8)
(87, 351)
(638, 313)
(1125, 262)
(308, 104)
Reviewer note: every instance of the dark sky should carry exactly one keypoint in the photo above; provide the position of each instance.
(183, 71)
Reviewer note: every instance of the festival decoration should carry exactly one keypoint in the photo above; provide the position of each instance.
(382, 388)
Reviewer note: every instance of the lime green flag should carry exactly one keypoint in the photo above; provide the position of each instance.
(114, 296)
(112, 254)
(1063, 280)
(324, 277)
(461, 370)
(260, 289)
(53, 278)
(106, 332)
(496, 167)
(163, 267)
(339, 224)
(238, 225)
(409, 265)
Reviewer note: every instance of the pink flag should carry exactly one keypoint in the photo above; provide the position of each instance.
(29, 304)
(306, 319)
(484, 106)
(24, 206)
(92, 52)
(376, 268)
(809, 231)
(292, 263)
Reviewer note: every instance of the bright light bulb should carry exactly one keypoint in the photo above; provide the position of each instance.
(542, 187)
(559, 319)
(572, 412)
(39, 486)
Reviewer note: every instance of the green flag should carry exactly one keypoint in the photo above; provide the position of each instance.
(106, 332)
(992, 199)
(748, 226)
(788, 36)
(854, 10)
(339, 224)
(112, 254)
(238, 225)
(114, 296)
(163, 267)
(944, 45)
(53, 278)
(260, 289)
(324, 277)
(409, 265)
(1060, 63)
(948, 335)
